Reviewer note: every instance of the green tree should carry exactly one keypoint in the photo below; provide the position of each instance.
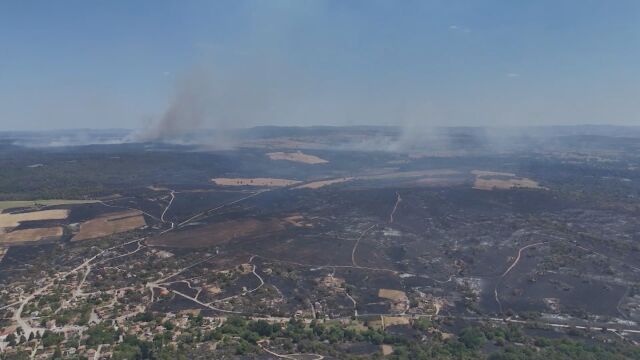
(472, 337)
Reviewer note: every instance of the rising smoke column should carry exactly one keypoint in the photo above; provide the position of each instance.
(188, 110)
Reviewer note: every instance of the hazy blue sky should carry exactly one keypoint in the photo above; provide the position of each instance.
(106, 64)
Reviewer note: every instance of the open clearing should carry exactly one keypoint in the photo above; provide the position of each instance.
(218, 233)
(490, 184)
(31, 235)
(322, 183)
(399, 301)
(33, 203)
(437, 176)
(410, 174)
(485, 173)
(271, 182)
(439, 181)
(386, 349)
(395, 320)
(13, 220)
(395, 295)
(110, 224)
(297, 157)
(298, 221)
(490, 180)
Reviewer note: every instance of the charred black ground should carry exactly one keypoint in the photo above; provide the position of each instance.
(539, 234)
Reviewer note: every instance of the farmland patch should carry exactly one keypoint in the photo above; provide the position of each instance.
(25, 236)
(298, 156)
(268, 182)
(490, 180)
(12, 220)
(110, 224)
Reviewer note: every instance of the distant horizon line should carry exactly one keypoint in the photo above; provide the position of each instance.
(331, 126)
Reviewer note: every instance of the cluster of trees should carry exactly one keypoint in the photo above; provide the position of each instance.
(102, 333)
(83, 173)
(240, 336)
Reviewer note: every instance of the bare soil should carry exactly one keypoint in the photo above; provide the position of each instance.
(323, 183)
(297, 157)
(269, 182)
(110, 224)
(490, 180)
(392, 294)
(13, 220)
(17, 237)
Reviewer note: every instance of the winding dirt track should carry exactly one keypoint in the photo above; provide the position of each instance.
(126, 207)
(173, 196)
(515, 262)
(258, 276)
(289, 356)
(395, 207)
(355, 246)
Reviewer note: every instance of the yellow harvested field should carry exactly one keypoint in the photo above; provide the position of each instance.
(410, 174)
(254, 182)
(298, 156)
(33, 203)
(386, 349)
(193, 312)
(438, 181)
(438, 176)
(110, 224)
(490, 184)
(31, 235)
(322, 183)
(214, 290)
(395, 320)
(375, 324)
(298, 221)
(13, 220)
(491, 173)
(490, 180)
(395, 295)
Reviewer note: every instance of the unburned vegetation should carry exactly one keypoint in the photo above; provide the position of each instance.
(297, 157)
(490, 180)
(22, 237)
(110, 224)
(8, 220)
(269, 182)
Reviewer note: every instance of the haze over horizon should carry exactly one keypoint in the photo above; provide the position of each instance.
(169, 66)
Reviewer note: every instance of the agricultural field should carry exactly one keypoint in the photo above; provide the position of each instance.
(110, 224)
(270, 182)
(10, 220)
(21, 237)
(298, 156)
(490, 180)
(40, 203)
(322, 183)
